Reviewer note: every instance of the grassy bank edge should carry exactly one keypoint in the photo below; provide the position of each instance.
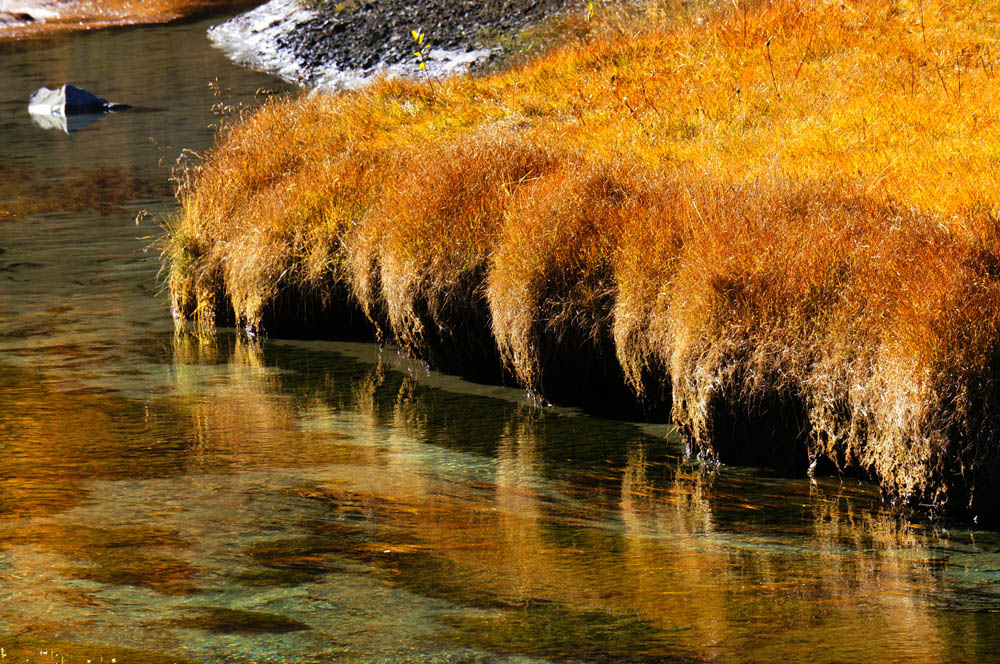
(561, 217)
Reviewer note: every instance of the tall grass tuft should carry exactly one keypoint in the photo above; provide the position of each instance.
(421, 253)
(553, 278)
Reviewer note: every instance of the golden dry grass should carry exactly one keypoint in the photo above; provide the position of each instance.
(424, 249)
(769, 207)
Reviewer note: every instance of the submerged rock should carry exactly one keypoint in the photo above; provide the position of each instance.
(223, 620)
(69, 108)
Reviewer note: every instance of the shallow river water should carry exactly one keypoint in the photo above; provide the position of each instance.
(164, 498)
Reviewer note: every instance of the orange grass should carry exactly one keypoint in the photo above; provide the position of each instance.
(785, 212)
(424, 248)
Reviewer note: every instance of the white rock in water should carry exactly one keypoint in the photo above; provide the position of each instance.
(38, 10)
(68, 108)
(69, 100)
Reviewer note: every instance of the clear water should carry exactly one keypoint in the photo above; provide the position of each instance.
(169, 499)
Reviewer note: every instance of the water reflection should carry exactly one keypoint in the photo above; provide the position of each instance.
(513, 532)
(335, 504)
(67, 124)
(101, 189)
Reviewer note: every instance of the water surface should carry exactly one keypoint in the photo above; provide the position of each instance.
(165, 498)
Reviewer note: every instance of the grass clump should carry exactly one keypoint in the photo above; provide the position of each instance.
(782, 214)
(421, 254)
(554, 273)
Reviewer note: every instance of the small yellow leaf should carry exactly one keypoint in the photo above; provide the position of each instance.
(414, 33)
(423, 66)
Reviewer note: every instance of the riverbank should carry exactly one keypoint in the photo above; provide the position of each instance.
(737, 210)
(333, 46)
(24, 19)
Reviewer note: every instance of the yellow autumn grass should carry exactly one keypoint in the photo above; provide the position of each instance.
(783, 212)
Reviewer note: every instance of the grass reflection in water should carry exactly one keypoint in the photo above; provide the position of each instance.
(292, 502)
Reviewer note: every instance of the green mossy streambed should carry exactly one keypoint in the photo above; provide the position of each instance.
(170, 498)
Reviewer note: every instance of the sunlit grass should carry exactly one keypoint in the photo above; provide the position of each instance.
(757, 204)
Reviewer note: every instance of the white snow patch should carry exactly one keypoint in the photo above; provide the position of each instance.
(249, 39)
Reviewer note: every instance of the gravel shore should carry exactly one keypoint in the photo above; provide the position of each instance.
(335, 45)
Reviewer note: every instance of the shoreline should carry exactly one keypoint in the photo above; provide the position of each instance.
(663, 207)
(342, 46)
(42, 18)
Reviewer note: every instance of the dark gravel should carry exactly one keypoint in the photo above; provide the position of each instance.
(361, 34)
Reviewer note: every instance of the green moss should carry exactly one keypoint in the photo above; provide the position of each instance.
(335, 6)
(521, 44)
